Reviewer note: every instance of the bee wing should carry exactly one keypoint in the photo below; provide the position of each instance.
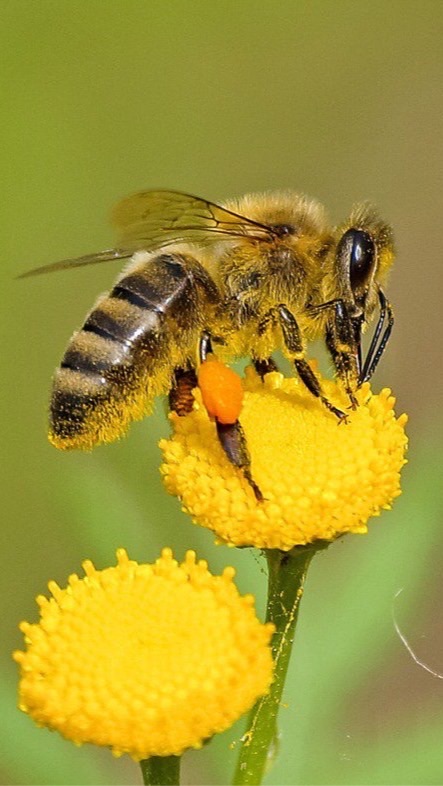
(153, 219)
(88, 259)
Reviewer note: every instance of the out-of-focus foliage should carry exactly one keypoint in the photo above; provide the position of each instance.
(341, 100)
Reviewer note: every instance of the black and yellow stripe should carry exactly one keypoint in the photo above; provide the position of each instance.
(126, 351)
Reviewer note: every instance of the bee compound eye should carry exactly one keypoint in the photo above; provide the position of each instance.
(283, 230)
(358, 247)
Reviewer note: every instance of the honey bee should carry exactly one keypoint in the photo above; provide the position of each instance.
(257, 274)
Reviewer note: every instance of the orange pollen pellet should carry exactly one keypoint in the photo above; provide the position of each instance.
(221, 390)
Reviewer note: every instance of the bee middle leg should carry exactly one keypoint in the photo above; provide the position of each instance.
(181, 400)
(264, 366)
(293, 340)
(204, 346)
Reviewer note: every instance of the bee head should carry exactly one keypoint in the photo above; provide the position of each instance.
(364, 254)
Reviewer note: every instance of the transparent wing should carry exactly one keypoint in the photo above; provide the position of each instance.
(88, 259)
(153, 219)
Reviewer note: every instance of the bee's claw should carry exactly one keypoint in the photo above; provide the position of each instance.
(233, 442)
(342, 416)
(258, 495)
(353, 400)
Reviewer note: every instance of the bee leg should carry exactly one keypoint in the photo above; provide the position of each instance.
(180, 397)
(343, 335)
(233, 441)
(230, 435)
(374, 354)
(293, 340)
(265, 366)
(204, 346)
(269, 320)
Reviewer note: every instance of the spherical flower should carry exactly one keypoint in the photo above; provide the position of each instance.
(319, 478)
(147, 659)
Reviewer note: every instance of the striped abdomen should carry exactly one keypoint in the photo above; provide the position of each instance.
(125, 353)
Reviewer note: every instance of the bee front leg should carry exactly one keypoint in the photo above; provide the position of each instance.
(343, 335)
(293, 340)
(376, 349)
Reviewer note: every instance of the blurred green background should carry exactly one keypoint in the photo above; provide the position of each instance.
(341, 100)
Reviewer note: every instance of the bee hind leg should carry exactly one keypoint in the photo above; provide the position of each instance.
(218, 386)
(231, 435)
(233, 441)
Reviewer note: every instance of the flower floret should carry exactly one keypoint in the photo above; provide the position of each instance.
(146, 659)
(319, 478)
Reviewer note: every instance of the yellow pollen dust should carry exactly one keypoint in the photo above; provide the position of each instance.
(319, 478)
(146, 659)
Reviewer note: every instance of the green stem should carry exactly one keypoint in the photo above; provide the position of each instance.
(287, 573)
(161, 770)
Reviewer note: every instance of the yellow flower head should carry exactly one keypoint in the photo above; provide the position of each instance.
(319, 478)
(147, 659)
